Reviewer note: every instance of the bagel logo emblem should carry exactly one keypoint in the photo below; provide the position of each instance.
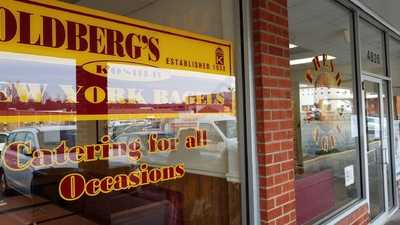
(323, 74)
(219, 56)
(325, 80)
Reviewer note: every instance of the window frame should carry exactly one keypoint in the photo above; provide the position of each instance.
(337, 215)
(360, 11)
(246, 116)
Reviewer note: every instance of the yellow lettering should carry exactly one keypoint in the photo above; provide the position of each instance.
(71, 92)
(28, 92)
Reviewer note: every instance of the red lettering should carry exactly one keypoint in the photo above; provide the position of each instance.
(106, 184)
(11, 158)
(76, 33)
(155, 175)
(97, 35)
(72, 187)
(134, 150)
(93, 187)
(10, 25)
(60, 153)
(144, 171)
(168, 173)
(134, 179)
(152, 142)
(121, 182)
(25, 29)
(132, 50)
(154, 49)
(114, 42)
(48, 24)
(77, 154)
(180, 170)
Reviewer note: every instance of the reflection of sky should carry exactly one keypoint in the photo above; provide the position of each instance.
(51, 72)
(39, 70)
(183, 82)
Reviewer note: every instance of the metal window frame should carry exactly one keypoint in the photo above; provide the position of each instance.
(245, 89)
(391, 126)
(388, 32)
(341, 213)
(247, 118)
(360, 11)
(380, 218)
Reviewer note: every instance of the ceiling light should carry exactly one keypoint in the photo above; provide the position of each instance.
(308, 60)
(293, 46)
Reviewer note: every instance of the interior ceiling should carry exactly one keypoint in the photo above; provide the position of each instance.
(203, 17)
(387, 9)
(319, 27)
(115, 6)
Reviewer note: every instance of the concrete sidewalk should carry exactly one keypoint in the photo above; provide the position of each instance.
(395, 219)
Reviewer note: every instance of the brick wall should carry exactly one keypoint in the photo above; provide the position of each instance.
(358, 217)
(274, 112)
(275, 130)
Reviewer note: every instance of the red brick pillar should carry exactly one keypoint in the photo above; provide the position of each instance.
(275, 129)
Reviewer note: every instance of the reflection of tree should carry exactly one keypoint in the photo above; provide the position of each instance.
(3, 97)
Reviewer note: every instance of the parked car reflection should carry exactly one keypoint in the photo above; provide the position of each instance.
(47, 137)
(3, 140)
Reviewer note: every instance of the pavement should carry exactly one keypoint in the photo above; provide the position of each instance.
(395, 219)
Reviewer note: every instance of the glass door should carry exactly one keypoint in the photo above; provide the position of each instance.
(377, 145)
(374, 148)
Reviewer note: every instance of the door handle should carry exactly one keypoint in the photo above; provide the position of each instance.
(385, 156)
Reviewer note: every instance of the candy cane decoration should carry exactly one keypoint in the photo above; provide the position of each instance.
(326, 66)
(309, 76)
(317, 65)
(338, 79)
(324, 59)
(332, 65)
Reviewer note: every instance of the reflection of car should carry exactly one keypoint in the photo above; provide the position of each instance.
(39, 138)
(113, 207)
(373, 125)
(222, 134)
(130, 137)
(3, 140)
(218, 158)
(117, 128)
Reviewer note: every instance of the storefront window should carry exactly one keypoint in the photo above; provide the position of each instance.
(322, 71)
(118, 113)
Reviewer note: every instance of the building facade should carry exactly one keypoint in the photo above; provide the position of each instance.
(199, 112)
(327, 146)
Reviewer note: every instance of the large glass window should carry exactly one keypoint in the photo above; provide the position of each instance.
(119, 112)
(326, 118)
